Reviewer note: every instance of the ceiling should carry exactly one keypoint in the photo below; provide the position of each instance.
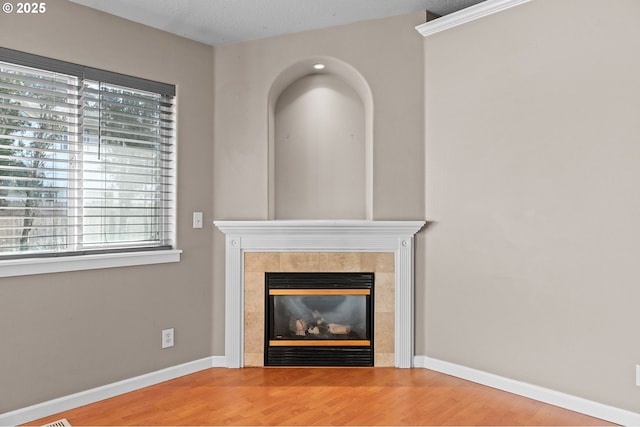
(218, 22)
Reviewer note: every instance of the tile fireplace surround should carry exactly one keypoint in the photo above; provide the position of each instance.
(316, 245)
(379, 263)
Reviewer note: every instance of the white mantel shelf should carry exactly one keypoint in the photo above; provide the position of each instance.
(323, 227)
(318, 236)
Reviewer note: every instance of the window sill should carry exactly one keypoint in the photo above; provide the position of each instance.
(29, 266)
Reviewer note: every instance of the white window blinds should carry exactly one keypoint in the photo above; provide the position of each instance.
(87, 159)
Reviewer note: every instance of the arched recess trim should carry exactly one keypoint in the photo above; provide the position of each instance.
(350, 76)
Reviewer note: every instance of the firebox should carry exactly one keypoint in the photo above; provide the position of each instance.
(319, 319)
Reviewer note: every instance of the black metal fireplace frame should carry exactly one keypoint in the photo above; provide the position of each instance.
(334, 355)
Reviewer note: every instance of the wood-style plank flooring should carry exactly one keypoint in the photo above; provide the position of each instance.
(319, 396)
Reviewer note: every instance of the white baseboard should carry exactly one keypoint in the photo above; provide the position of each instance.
(86, 397)
(218, 362)
(562, 400)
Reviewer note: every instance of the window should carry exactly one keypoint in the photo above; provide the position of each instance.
(87, 160)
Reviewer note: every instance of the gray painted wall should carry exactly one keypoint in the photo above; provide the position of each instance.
(532, 148)
(68, 332)
(319, 150)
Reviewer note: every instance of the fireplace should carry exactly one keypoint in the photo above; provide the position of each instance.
(255, 247)
(319, 319)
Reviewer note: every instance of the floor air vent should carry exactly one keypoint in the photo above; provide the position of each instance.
(60, 423)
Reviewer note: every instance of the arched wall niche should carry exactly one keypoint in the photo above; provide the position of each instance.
(295, 78)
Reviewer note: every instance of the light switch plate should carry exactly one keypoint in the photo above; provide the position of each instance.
(197, 220)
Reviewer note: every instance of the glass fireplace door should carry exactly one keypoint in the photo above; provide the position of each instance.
(319, 319)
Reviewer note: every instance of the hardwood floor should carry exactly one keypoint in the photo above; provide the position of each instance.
(319, 396)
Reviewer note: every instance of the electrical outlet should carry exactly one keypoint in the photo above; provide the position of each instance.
(167, 338)
(638, 375)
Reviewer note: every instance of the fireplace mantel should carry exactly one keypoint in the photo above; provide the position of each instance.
(318, 236)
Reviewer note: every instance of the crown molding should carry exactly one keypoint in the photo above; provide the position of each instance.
(463, 16)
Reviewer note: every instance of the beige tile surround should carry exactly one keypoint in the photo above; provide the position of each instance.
(380, 263)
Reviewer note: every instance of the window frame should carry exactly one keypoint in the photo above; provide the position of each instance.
(62, 262)
(31, 266)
